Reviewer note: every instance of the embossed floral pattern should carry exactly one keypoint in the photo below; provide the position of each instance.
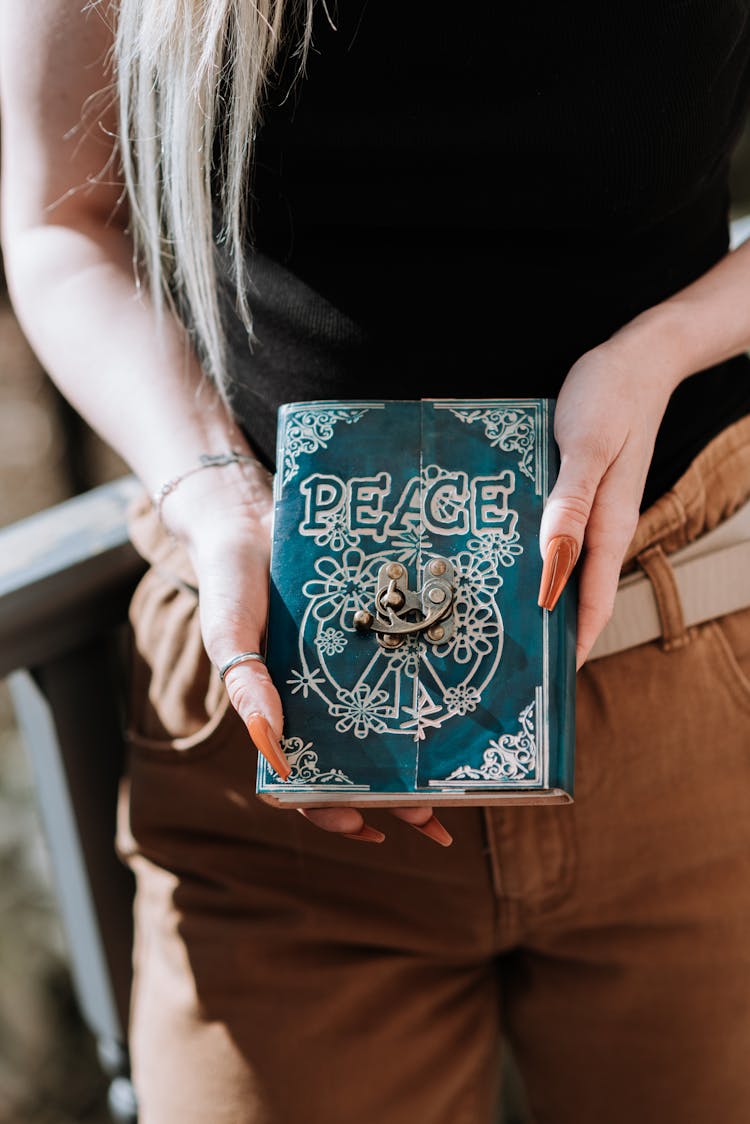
(500, 548)
(330, 641)
(362, 710)
(343, 586)
(462, 699)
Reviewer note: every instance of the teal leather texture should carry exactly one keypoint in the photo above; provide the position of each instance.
(404, 635)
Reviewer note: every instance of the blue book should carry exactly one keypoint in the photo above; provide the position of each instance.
(404, 635)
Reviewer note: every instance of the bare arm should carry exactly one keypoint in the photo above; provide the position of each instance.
(67, 254)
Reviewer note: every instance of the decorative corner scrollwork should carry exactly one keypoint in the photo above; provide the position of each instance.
(309, 429)
(304, 766)
(509, 757)
(512, 430)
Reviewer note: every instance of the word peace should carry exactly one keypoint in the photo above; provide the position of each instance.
(437, 501)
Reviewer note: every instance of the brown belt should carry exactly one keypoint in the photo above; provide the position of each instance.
(712, 577)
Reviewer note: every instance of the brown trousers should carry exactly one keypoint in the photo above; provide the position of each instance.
(284, 975)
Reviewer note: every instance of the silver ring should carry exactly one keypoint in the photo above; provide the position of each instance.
(243, 657)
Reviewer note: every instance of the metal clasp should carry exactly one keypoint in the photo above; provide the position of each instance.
(401, 612)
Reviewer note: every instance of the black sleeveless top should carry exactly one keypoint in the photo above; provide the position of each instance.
(456, 201)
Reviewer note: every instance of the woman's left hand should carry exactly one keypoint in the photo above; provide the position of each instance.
(606, 419)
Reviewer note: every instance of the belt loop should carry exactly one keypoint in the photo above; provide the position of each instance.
(658, 569)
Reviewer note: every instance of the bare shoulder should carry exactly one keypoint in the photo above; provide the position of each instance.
(57, 103)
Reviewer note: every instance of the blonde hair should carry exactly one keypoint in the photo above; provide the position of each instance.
(190, 77)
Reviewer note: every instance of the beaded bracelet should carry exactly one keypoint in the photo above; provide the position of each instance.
(205, 460)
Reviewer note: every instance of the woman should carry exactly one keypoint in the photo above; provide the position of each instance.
(538, 198)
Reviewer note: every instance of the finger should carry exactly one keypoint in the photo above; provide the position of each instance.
(254, 697)
(598, 503)
(423, 819)
(349, 822)
(565, 518)
(343, 821)
(611, 527)
(597, 590)
(596, 594)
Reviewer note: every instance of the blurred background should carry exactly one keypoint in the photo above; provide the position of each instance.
(49, 1072)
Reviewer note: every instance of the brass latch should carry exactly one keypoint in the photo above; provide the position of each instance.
(401, 612)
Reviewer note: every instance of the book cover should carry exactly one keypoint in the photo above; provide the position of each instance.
(404, 636)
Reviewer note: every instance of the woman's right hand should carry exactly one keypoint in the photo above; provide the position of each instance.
(224, 517)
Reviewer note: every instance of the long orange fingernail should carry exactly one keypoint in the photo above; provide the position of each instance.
(366, 834)
(260, 731)
(558, 564)
(435, 830)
